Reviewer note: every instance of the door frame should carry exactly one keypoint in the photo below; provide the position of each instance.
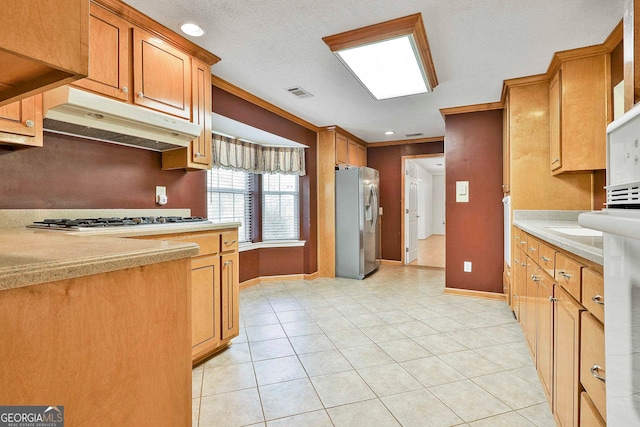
(403, 160)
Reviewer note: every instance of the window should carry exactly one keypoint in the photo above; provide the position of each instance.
(280, 207)
(229, 199)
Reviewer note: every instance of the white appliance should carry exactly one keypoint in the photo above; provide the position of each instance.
(620, 224)
(357, 222)
(76, 112)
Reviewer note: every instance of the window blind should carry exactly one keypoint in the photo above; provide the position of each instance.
(280, 207)
(229, 199)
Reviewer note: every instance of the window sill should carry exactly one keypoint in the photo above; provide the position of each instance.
(270, 244)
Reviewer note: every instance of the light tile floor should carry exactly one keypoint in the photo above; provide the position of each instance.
(391, 350)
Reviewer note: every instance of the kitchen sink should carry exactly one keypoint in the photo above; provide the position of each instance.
(576, 231)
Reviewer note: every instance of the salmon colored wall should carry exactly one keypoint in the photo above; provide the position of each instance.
(270, 261)
(74, 173)
(388, 161)
(474, 230)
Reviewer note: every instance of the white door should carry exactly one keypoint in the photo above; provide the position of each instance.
(411, 213)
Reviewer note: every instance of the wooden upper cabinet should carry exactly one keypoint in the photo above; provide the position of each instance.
(555, 124)
(362, 155)
(580, 109)
(342, 149)
(36, 55)
(21, 122)
(201, 102)
(161, 75)
(109, 64)
(353, 153)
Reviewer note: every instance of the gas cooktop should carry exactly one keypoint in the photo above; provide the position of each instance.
(81, 224)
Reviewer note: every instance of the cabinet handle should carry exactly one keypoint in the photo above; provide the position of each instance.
(200, 155)
(227, 263)
(535, 278)
(29, 123)
(598, 299)
(545, 259)
(516, 261)
(523, 264)
(565, 275)
(556, 160)
(594, 371)
(552, 299)
(140, 94)
(532, 250)
(229, 242)
(125, 89)
(523, 243)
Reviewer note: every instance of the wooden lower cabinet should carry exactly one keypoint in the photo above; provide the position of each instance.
(215, 308)
(112, 348)
(230, 295)
(559, 302)
(566, 349)
(544, 350)
(589, 416)
(205, 299)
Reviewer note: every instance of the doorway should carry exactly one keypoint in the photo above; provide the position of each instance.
(423, 210)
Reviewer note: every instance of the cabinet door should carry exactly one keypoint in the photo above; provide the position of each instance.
(108, 55)
(518, 268)
(544, 351)
(205, 304)
(362, 156)
(352, 153)
(592, 361)
(161, 76)
(201, 104)
(566, 360)
(230, 296)
(21, 122)
(341, 150)
(530, 316)
(589, 416)
(555, 122)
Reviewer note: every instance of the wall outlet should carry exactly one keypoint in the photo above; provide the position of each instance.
(161, 195)
(467, 266)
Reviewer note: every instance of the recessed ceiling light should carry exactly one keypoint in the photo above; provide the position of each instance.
(389, 132)
(390, 59)
(192, 29)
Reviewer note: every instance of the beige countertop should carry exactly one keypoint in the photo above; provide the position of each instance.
(544, 225)
(33, 256)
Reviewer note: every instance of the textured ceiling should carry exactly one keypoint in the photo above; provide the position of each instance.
(269, 45)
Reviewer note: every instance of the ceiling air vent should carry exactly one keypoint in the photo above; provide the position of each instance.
(299, 92)
(413, 135)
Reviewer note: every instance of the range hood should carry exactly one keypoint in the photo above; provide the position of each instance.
(71, 111)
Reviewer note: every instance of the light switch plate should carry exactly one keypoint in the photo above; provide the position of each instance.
(467, 266)
(462, 191)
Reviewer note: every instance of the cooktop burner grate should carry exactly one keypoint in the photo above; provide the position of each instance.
(64, 223)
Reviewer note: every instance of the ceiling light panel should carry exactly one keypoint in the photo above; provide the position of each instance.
(387, 69)
(389, 59)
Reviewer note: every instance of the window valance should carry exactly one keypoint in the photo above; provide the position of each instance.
(237, 154)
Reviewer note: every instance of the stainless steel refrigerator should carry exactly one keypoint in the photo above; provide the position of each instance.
(357, 222)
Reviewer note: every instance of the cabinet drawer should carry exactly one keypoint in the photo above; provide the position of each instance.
(592, 361)
(567, 274)
(532, 248)
(520, 239)
(229, 240)
(593, 293)
(209, 242)
(547, 258)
